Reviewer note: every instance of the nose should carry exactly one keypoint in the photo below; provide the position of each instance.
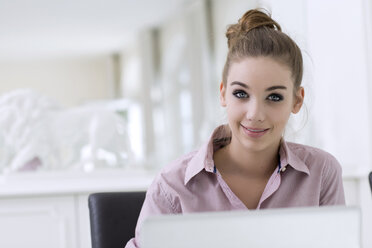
(255, 111)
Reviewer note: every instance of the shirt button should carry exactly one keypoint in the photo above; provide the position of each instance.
(283, 168)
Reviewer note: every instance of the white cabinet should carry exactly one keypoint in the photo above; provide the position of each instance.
(42, 222)
(44, 210)
(84, 240)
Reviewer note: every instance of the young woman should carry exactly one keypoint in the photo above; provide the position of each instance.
(246, 164)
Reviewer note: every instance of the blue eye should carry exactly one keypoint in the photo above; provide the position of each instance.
(275, 97)
(240, 94)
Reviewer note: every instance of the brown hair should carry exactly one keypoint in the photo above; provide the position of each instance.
(257, 34)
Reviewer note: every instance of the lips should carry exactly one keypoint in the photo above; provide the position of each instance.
(255, 132)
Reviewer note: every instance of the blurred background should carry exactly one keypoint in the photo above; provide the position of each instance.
(100, 95)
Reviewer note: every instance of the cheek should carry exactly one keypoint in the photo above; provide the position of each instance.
(232, 106)
(232, 112)
(280, 116)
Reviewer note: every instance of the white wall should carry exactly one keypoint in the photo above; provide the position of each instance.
(70, 81)
(167, 71)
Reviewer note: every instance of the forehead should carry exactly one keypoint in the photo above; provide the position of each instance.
(260, 72)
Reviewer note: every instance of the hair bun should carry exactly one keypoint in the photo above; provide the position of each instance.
(257, 18)
(252, 19)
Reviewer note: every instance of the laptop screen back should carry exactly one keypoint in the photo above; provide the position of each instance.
(290, 228)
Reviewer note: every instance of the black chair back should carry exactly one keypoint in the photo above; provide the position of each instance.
(113, 217)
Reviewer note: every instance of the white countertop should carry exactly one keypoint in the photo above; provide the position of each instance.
(67, 182)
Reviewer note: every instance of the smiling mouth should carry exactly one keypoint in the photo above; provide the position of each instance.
(256, 130)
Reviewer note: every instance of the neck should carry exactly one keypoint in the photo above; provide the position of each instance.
(236, 159)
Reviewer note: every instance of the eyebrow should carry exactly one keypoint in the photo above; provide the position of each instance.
(276, 87)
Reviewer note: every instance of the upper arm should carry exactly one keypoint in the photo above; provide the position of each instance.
(158, 201)
(332, 190)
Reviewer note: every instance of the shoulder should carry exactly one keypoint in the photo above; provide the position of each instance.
(317, 161)
(168, 184)
(172, 175)
(177, 167)
(310, 154)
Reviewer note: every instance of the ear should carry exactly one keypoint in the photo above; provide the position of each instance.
(299, 100)
(222, 95)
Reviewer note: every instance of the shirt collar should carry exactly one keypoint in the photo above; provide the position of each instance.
(288, 157)
(203, 159)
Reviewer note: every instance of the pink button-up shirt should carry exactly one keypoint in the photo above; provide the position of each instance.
(305, 176)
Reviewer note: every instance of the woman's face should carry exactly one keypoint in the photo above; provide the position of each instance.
(259, 98)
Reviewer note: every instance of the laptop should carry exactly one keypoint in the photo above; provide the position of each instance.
(308, 227)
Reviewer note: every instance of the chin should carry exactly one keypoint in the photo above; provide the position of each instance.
(259, 144)
(255, 146)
